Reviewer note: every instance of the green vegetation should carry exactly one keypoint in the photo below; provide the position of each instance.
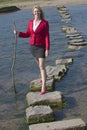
(47, 118)
(58, 105)
(8, 1)
(37, 88)
(8, 9)
(5, 5)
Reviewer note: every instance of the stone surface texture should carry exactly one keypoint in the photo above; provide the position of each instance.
(73, 124)
(34, 98)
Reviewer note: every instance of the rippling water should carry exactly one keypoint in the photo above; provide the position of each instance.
(73, 85)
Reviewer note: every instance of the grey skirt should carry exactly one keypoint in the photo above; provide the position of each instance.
(37, 51)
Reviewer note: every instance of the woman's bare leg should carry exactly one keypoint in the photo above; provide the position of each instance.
(43, 73)
(37, 60)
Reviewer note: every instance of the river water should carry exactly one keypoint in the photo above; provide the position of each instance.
(74, 83)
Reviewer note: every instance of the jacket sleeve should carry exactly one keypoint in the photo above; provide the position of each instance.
(25, 34)
(47, 39)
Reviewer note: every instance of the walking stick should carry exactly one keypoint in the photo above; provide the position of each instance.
(14, 61)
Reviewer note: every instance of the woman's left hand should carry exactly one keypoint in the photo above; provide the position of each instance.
(46, 53)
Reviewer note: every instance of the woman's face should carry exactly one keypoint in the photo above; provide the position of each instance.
(36, 12)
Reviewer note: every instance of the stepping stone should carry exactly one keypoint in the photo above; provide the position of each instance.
(72, 124)
(78, 43)
(73, 35)
(56, 71)
(65, 16)
(62, 8)
(54, 99)
(66, 20)
(75, 41)
(63, 12)
(39, 114)
(64, 61)
(69, 29)
(35, 85)
(72, 47)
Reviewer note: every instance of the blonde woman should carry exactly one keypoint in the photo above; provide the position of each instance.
(38, 32)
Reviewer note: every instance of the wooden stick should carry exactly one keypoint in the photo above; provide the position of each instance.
(14, 61)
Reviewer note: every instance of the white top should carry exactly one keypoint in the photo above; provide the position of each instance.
(35, 24)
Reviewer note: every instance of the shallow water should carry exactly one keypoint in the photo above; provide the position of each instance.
(74, 83)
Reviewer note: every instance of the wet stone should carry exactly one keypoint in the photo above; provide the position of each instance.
(35, 85)
(39, 114)
(65, 16)
(83, 43)
(71, 47)
(68, 29)
(72, 124)
(57, 72)
(54, 99)
(63, 11)
(62, 8)
(73, 35)
(53, 73)
(66, 20)
(75, 40)
(64, 61)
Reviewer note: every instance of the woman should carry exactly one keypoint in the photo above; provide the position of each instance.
(38, 31)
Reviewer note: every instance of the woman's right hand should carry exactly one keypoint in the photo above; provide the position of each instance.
(16, 32)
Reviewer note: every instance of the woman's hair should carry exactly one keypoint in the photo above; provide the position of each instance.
(41, 11)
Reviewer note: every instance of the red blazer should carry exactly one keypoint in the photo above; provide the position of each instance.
(39, 37)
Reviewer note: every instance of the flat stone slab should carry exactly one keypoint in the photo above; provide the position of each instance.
(73, 124)
(54, 99)
(57, 72)
(64, 61)
(83, 43)
(73, 35)
(63, 8)
(71, 47)
(69, 29)
(53, 73)
(66, 20)
(64, 14)
(75, 41)
(63, 11)
(35, 85)
(39, 114)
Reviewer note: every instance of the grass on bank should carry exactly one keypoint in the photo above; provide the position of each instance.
(12, 1)
(5, 3)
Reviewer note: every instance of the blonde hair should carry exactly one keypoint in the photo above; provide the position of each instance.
(41, 11)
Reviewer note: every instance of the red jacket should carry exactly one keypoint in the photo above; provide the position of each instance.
(41, 35)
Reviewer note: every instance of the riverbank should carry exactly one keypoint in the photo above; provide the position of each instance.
(42, 3)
